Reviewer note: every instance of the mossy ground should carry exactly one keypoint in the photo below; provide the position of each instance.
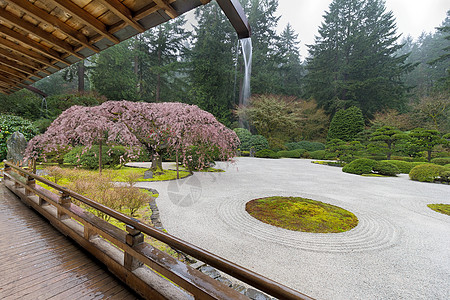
(300, 214)
(441, 208)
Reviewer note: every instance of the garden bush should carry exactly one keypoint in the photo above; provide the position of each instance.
(309, 146)
(427, 172)
(248, 141)
(266, 153)
(10, 124)
(360, 166)
(346, 124)
(386, 168)
(289, 154)
(88, 158)
(258, 142)
(441, 161)
(318, 154)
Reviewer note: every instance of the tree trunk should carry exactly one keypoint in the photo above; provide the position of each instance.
(176, 161)
(80, 73)
(156, 161)
(158, 79)
(429, 155)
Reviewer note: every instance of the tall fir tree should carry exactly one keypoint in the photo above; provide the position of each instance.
(353, 59)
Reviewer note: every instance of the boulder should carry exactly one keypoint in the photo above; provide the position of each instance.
(16, 145)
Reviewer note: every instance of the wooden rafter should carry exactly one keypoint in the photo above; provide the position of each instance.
(31, 29)
(12, 72)
(42, 16)
(21, 60)
(44, 50)
(123, 12)
(86, 18)
(17, 67)
(167, 8)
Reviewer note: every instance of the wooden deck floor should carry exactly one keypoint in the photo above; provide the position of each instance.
(38, 262)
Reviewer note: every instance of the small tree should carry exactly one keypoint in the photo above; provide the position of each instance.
(426, 140)
(384, 140)
(346, 124)
(344, 151)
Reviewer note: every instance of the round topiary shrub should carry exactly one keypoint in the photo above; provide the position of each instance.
(386, 168)
(266, 153)
(258, 142)
(318, 154)
(403, 166)
(360, 166)
(441, 161)
(427, 172)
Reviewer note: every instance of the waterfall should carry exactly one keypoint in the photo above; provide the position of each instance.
(44, 108)
(246, 45)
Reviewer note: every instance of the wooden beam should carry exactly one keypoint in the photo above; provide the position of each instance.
(20, 68)
(9, 80)
(87, 19)
(32, 44)
(22, 60)
(12, 72)
(123, 12)
(42, 34)
(26, 52)
(167, 8)
(43, 16)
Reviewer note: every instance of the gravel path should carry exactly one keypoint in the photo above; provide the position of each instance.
(399, 250)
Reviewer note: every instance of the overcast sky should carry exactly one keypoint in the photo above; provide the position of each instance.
(412, 17)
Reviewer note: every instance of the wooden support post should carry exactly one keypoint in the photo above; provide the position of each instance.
(87, 232)
(134, 238)
(32, 184)
(6, 169)
(41, 201)
(64, 201)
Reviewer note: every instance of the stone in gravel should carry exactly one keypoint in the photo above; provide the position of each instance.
(148, 174)
(256, 295)
(210, 271)
(225, 281)
(241, 289)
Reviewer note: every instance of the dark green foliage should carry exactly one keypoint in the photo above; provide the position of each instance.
(346, 124)
(385, 139)
(310, 146)
(353, 61)
(425, 140)
(88, 158)
(404, 166)
(441, 161)
(266, 153)
(248, 141)
(22, 103)
(10, 124)
(360, 166)
(386, 168)
(342, 150)
(427, 172)
(321, 154)
(289, 154)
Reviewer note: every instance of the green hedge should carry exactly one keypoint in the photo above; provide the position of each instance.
(441, 161)
(404, 166)
(428, 172)
(360, 166)
(386, 168)
(266, 153)
(289, 154)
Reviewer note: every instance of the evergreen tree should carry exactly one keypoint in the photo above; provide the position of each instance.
(384, 140)
(444, 58)
(346, 124)
(352, 61)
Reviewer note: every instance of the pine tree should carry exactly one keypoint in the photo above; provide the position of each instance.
(352, 61)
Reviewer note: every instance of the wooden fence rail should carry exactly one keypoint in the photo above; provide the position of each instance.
(150, 272)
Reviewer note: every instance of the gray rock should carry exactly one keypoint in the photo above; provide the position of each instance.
(210, 271)
(252, 152)
(16, 145)
(225, 281)
(256, 295)
(148, 174)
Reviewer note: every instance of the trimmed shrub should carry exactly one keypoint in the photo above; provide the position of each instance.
(360, 166)
(258, 142)
(245, 137)
(309, 146)
(447, 166)
(427, 172)
(266, 153)
(88, 158)
(441, 161)
(318, 154)
(386, 168)
(346, 124)
(403, 166)
(289, 154)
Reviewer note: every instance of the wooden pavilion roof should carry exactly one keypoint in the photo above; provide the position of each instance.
(41, 37)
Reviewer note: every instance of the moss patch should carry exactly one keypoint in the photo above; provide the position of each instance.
(300, 214)
(441, 208)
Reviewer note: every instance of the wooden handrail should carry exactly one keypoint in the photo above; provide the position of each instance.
(256, 280)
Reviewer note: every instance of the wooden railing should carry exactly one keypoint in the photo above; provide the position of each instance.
(150, 272)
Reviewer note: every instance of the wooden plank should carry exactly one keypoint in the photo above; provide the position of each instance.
(12, 71)
(22, 60)
(167, 8)
(86, 18)
(9, 63)
(47, 18)
(123, 12)
(42, 34)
